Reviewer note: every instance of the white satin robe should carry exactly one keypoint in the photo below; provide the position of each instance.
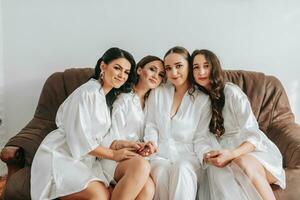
(128, 123)
(175, 167)
(240, 125)
(61, 165)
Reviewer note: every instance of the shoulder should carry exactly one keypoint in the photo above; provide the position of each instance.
(163, 88)
(233, 91)
(89, 91)
(91, 86)
(87, 95)
(201, 98)
(123, 99)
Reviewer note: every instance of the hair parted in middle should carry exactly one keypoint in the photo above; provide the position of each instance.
(186, 55)
(216, 93)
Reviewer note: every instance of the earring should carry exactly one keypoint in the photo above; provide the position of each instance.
(101, 75)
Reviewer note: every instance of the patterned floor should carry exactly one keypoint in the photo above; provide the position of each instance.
(2, 184)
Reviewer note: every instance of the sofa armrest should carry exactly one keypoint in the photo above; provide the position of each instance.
(13, 157)
(287, 139)
(30, 137)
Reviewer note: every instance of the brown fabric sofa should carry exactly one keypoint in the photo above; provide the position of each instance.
(266, 94)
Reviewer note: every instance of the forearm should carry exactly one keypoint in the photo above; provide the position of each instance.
(244, 148)
(103, 153)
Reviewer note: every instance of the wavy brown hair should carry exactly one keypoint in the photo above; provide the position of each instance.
(216, 93)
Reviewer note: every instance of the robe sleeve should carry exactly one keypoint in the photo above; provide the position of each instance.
(118, 122)
(246, 120)
(76, 121)
(204, 139)
(151, 130)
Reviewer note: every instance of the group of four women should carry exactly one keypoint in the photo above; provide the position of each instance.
(164, 129)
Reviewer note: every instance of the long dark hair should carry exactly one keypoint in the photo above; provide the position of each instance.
(110, 55)
(186, 55)
(216, 93)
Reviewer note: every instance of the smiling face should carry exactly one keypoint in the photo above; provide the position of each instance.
(202, 71)
(152, 74)
(115, 73)
(177, 69)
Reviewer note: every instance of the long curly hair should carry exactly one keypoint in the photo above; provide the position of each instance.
(110, 55)
(216, 93)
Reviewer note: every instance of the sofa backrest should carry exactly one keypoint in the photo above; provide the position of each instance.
(57, 88)
(266, 94)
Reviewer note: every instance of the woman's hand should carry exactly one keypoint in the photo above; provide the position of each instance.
(124, 154)
(219, 158)
(147, 149)
(120, 144)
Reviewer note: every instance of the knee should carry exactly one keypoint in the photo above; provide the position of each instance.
(140, 166)
(95, 191)
(148, 189)
(99, 196)
(253, 170)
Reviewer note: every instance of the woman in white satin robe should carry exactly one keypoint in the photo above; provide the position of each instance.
(66, 164)
(172, 119)
(129, 109)
(241, 161)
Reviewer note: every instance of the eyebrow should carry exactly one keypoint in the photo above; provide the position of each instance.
(122, 67)
(178, 63)
(203, 63)
(154, 66)
(174, 64)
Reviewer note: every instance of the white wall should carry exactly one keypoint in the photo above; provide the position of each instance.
(3, 135)
(41, 37)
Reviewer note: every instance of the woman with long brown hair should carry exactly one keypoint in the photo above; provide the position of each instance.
(171, 124)
(239, 141)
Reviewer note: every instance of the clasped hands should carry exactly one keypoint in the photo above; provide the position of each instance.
(219, 158)
(126, 149)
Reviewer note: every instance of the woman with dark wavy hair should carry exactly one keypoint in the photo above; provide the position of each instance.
(238, 142)
(128, 115)
(67, 163)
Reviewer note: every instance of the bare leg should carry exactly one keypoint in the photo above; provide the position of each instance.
(94, 191)
(131, 176)
(258, 175)
(148, 190)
